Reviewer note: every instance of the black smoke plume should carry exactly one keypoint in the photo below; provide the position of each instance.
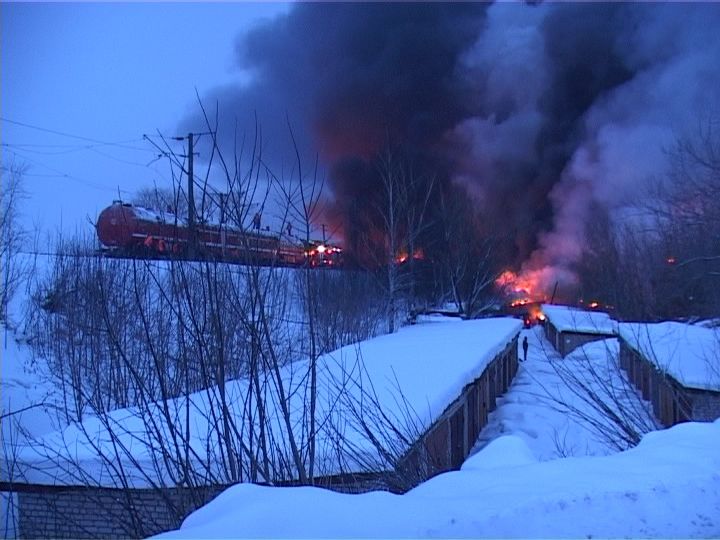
(536, 110)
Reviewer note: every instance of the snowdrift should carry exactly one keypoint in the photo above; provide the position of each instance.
(668, 486)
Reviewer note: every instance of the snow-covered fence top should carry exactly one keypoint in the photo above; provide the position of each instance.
(568, 319)
(408, 378)
(688, 353)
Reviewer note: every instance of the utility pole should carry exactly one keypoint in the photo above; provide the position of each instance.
(223, 236)
(323, 229)
(223, 199)
(191, 200)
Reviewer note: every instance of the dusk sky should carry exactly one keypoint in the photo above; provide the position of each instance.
(106, 73)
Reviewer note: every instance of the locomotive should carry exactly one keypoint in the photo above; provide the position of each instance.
(126, 230)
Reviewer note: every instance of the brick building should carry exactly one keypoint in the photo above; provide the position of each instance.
(676, 366)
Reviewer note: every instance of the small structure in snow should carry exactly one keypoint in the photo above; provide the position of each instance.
(568, 328)
(676, 366)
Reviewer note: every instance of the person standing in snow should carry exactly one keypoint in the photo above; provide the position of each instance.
(525, 348)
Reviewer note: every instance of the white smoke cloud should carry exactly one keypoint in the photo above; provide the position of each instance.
(628, 132)
(672, 54)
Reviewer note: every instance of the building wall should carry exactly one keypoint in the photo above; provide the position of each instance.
(92, 512)
(672, 403)
(566, 342)
(551, 334)
(705, 405)
(87, 512)
(569, 341)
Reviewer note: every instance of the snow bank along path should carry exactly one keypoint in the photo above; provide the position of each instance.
(668, 486)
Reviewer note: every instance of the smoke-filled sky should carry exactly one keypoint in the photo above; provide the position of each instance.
(538, 110)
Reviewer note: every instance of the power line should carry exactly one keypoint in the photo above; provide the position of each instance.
(120, 160)
(16, 148)
(63, 149)
(120, 144)
(61, 174)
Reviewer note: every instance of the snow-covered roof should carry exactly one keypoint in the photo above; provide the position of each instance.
(569, 319)
(688, 353)
(412, 376)
(271, 227)
(150, 214)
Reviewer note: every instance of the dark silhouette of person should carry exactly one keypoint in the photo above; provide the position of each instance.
(256, 221)
(525, 348)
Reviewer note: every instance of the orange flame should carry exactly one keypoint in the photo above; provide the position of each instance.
(526, 286)
(403, 256)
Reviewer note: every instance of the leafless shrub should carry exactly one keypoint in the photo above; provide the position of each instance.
(468, 268)
(12, 234)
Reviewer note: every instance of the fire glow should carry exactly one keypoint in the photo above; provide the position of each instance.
(527, 293)
(526, 287)
(418, 255)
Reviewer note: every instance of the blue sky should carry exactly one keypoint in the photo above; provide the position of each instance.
(108, 73)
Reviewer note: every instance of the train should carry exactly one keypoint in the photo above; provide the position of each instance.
(130, 231)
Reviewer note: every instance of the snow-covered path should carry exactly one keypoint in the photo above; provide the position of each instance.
(532, 408)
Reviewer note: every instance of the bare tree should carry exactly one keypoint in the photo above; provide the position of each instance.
(622, 266)
(468, 268)
(166, 199)
(392, 227)
(11, 233)
(607, 402)
(664, 262)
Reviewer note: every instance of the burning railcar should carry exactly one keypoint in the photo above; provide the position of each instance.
(126, 230)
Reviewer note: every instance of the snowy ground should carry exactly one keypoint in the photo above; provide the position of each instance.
(29, 398)
(26, 410)
(25, 392)
(669, 486)
(518, 483)
(27, 395)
